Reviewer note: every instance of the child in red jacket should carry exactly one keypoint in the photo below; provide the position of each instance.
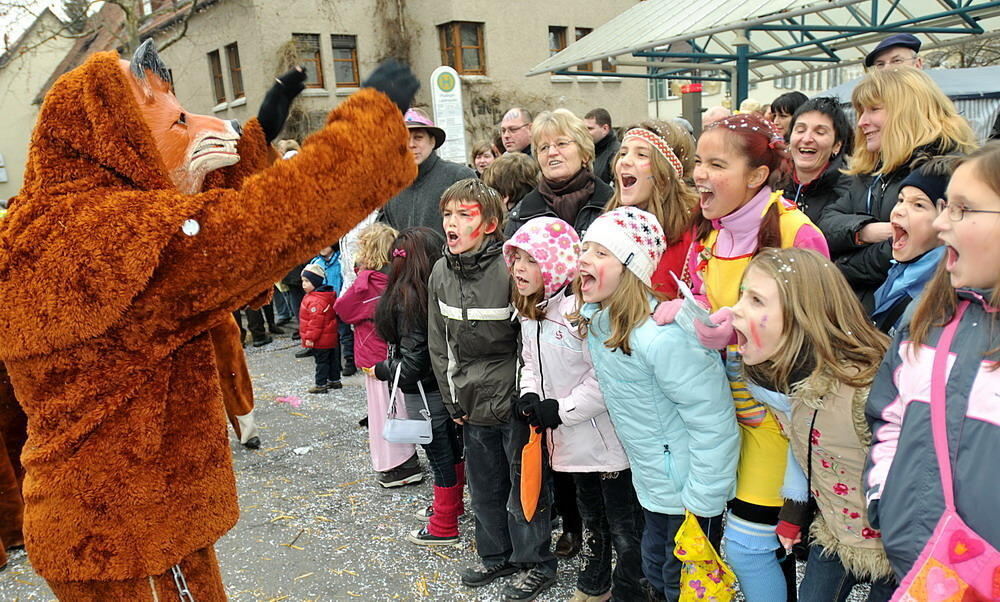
(318, 328)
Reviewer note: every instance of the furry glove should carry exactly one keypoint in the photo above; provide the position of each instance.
(545, 415)
(395, 80)
(274, 110)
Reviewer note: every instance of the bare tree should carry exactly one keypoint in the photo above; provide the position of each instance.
(975, 52)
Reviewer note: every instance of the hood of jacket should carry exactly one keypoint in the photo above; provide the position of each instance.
(555, 247)
(91, 156)
(472, 264)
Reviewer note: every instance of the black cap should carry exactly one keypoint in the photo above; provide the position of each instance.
(900, 39)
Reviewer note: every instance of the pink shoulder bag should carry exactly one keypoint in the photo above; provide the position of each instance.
(957, 564)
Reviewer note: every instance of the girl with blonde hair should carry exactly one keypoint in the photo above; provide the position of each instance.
(667, 395)
(809, 350)
(902, 115)
(568, 188)
(649, 173)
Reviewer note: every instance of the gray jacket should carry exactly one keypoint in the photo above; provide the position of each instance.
(472, 335)
(420, 203)
(902, 482)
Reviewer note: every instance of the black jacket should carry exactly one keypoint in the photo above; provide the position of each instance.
(534, 205)
(410, 356)
(420, 203)
(606, 150)
(869, 199)
(815, 196)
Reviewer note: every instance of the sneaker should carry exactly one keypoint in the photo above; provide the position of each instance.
(318, 389)
(579, 596)
(407, 473)
(529, 585)
(425, 513)
(479, 576)
(303, 353)
(423, 537)
(334, 384)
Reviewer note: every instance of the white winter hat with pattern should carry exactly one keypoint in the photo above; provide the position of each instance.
(633, 236)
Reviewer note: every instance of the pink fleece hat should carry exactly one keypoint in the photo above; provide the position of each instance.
(418, 120)
(554, 244)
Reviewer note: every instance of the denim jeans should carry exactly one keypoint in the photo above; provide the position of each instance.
(282, 310)
(445, 449)
(493, 471)
(827, 580)
(661, 567)
(612, 516)
(327, 366)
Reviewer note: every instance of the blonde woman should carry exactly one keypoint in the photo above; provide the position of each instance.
(650, 169)
(810, 352)
(902, 114)
(568, 188)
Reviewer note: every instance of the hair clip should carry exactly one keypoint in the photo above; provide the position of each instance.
(399, 252)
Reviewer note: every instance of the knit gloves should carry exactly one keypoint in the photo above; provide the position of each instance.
(539, 413)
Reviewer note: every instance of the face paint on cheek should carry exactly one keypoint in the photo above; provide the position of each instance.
(755, 335)
(476, 232)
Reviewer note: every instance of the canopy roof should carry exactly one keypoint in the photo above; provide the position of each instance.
(771, 39)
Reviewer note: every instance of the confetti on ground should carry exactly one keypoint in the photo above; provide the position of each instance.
(291, 400)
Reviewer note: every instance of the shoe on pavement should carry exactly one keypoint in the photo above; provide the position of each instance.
(363, 422)
(479, 576)
(425, 513)
(252, 443)
(261, 342)
(407, 473)
(276, 329)
(579, 596)
(303, 353)
(319, 389)
(568, 544)
(423, 537)
(349, 370)
(334, 384)
(529, 585)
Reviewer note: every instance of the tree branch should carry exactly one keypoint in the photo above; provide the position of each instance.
(184, 27)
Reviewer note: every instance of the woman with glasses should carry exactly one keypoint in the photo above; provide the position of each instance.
(568, 188)
(902, 114)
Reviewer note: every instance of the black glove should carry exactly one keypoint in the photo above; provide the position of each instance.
(274, 110)
(382, 370)
(395, 80)
(545, 415)
(524, 405)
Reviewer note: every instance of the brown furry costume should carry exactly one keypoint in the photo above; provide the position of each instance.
(13, 425)
(107, 308)
(234, 377)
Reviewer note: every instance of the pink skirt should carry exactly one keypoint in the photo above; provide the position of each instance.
(385, 455)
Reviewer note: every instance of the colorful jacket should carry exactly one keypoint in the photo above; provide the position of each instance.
(318, 320)
(472, 335)
(357, 308)
(671, 406)
(331, 268)
(902, 483)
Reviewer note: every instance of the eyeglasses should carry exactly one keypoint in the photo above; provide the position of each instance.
(513, 128)
(896, 62)
(562, 145)
(956, 212)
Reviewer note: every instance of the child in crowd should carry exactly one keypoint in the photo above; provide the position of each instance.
(513, 175)
(667, 394)
(396, 463)
(329, 259)
(740, 214)
(649, 174)
(559, 392)
(401, 319)
(916, 250)
(318, 327)
(473, 345)
(809, 350)
(937, 389)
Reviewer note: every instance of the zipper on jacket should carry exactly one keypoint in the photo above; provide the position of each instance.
(668, 462)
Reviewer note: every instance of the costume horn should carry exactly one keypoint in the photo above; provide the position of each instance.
(146, 58)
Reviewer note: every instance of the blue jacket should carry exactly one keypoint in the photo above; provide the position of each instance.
(673, 411)
(331, 266)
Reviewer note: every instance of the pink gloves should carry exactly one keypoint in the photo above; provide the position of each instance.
(712, 338)
(718, 337)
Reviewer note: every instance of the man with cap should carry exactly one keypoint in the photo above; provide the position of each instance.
(895, 51)
(417, 205)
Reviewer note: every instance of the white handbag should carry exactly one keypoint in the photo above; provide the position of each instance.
(402, 430)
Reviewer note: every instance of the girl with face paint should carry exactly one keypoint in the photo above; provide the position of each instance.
(810, 352)
(666, 393)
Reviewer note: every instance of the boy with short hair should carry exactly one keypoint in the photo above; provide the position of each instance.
(473, 344)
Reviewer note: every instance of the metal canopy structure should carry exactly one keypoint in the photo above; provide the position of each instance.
(766, 39)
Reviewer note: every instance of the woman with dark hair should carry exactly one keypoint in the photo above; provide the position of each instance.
(821, 136)
(783, 107)
(401, 320)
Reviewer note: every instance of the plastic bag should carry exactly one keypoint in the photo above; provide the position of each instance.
(704, 576)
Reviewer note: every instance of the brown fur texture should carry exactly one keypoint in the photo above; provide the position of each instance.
(108, 306)
(13, 430)
(234, 376)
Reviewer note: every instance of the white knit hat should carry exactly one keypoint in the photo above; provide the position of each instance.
(633, 236)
